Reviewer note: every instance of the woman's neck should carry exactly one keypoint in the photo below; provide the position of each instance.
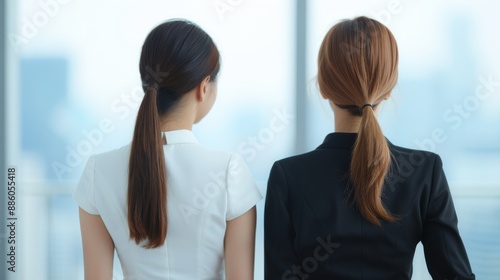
(345, 122)
(181, 117)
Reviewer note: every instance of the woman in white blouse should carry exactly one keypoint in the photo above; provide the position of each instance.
(171, 208)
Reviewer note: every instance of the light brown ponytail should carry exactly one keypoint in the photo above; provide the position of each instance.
(357, 65)
(369, 165)
(147, 186)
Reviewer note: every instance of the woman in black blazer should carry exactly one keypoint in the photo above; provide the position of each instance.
(357, 206)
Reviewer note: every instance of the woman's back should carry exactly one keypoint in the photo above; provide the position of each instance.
(171, 208)
(356, 207)
(205, 189)
(310, 204)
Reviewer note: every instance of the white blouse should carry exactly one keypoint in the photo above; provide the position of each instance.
(205, 189)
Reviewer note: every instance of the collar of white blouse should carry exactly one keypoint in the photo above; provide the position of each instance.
(179, 136)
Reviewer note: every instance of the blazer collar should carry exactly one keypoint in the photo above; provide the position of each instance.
(341, 140)
(180, 137)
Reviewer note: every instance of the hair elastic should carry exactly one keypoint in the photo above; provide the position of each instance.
(362, 107)
(153, 86)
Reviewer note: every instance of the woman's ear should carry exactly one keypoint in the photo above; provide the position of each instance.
(323, 95)
(203, 88)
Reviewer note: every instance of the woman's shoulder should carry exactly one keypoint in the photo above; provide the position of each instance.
(298, 162)
(415, 157)
(413, 166)
(230, 160)
(110, 161)
(120, 153)
(210, 155)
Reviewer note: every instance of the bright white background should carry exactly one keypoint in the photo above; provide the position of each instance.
(88, 51)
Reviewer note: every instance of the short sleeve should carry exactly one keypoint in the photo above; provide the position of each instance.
(84, 193)
(242, 192)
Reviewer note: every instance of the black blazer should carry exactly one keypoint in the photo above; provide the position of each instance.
(312, 229)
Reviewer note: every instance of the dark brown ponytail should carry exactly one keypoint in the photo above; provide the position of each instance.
(357, 65)
(176, 57)
(147, 192)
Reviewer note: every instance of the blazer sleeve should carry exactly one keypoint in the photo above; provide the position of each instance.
(444, 250)
(279, 255)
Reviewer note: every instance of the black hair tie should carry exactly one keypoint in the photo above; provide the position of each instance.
(355, 109)
(362, 107)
